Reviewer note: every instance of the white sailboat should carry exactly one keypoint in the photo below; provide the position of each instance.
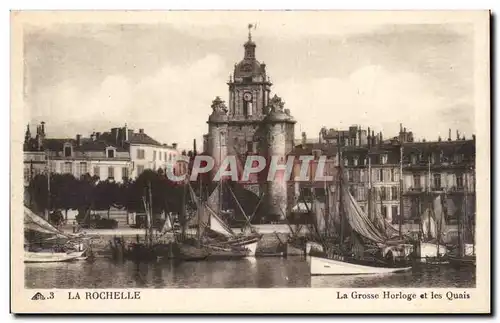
(52, 256)
(48, 234)
(216, 224)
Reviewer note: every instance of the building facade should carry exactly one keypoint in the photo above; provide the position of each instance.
(117, 155)
(144, 151)
(252, 122)
(400, 172)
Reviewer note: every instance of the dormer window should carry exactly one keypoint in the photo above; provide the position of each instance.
(68, 150)
(110, 152)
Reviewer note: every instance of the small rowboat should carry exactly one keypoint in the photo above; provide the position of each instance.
(47, 256)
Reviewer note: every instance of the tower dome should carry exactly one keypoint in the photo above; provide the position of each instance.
(249, 66)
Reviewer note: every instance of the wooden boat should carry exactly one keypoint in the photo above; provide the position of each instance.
(188, 252)
(247, 242)
(228, 253)
(357, 234)
(464, 261)
(344, 266)
(49, 256)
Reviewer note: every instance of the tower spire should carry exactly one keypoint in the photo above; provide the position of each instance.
(250, 26)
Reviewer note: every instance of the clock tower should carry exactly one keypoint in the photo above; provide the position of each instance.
(250, 122)
(249, 91)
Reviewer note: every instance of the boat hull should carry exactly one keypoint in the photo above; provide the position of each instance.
(324, 266)
(40, 257)
(191, 253)
(466, 261)
(218, 253)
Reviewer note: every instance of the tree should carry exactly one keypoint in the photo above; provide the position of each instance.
(39, 192)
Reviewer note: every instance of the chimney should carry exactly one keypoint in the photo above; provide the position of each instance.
(400, 127)
(194, 147)
(381, 137)
(439, 138)
(141, 130)
(42, 128)
(373, 138)
(304, 139)
(97, 135)
(92, 136)
(473, 137)
(125, 130)
(114, 135)
(78, 140)
(174, 145)
(449, 134)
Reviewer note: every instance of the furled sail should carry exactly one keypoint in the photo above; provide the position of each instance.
(428, 224)
(320, 211)
(358, 220)
(433, 218)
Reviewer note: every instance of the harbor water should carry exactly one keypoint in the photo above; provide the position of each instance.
(292, 272)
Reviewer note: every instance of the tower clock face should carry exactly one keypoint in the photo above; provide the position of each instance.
(247, 96)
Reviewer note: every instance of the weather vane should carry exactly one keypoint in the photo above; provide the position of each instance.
(250, 26)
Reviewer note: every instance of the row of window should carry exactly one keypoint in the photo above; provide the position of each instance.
(141, 154)
(389, 193)
(436, 158)
(356, 161)
(382, 159)
(83, 169)
(378, 175)
(436, 181)
(110, 152)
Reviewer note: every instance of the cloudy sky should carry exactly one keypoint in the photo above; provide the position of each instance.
(162, 77)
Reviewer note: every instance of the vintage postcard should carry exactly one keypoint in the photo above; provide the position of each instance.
(250, 162)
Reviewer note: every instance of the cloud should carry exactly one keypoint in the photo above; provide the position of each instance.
(171, 104)
(371, 96)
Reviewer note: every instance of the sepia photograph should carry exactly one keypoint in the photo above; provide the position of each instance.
(251, 150)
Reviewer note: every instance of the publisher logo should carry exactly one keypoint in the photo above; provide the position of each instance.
(38, 297)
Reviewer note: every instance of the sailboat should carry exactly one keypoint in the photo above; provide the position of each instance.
(430, 248)
(465, 254)
(45, 243)
(201, 247)
(359, 240)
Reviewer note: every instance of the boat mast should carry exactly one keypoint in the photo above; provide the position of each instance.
(370, 186)
(198, 231)
(473, 226)
(429, 194)
(183, 212)
(401, 192)
(341, 193)
(48, 186)
(461, 232)
(150, 222)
